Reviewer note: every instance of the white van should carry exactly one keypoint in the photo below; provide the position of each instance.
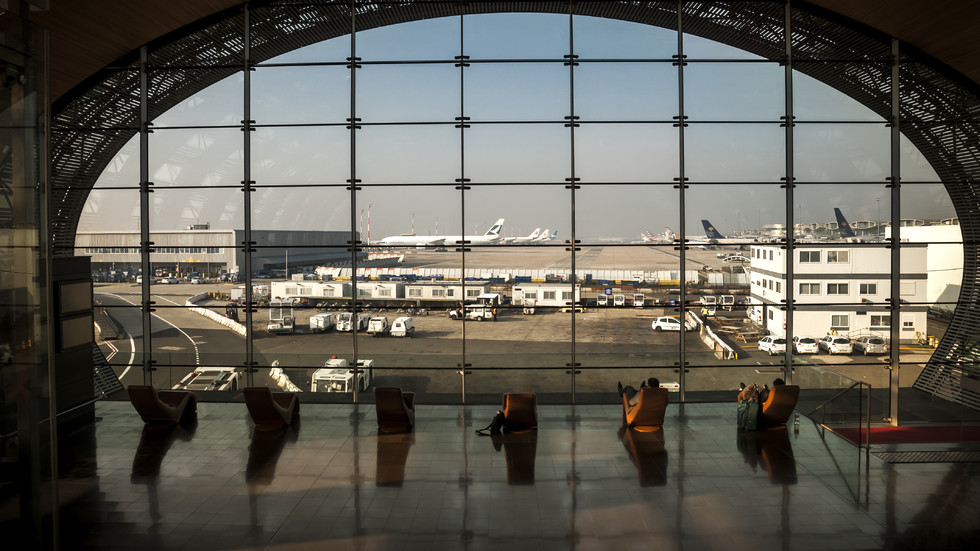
(602, 300)
(619, 300)
(403, 327)
(638, 300)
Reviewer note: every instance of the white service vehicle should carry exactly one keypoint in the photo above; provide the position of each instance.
(478, 312)
(602, 300)
(727, 302)
(337, 375)
(529, 306)
(403, 327)
(281, 318)
(638, 300)
(619, 300)
(670, 323)
(378, 326)
(210, 378)
(347, 322)
(320, 323)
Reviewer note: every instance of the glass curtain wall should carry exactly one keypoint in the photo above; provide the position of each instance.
(556, 202)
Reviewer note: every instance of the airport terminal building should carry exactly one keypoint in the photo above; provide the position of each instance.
(213, 252)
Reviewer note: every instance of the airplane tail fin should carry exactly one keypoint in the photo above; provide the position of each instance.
(544, 235)
(496, 227)
(534, 235)
(553, 235)
(842, 225)
(710, 232)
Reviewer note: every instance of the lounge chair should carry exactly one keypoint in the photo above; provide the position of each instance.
(778, 406)
(271, 410)
(648, 413)
(163, 407)
(396, 409)
(520, 412)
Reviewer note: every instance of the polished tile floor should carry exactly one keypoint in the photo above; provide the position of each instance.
(580, 482)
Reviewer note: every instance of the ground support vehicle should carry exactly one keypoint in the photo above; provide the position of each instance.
(210, 378)
(403, 327)
(337, 375)
(281, 318)
(347, 322)
(619, 300)
(378, 326)
(638, 300)
(320, 323)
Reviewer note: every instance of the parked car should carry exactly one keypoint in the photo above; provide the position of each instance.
(870, 345)
(773, 344)
(835, 344)
(170, 280)
(803, 344)
(670, 323)
(196, 280)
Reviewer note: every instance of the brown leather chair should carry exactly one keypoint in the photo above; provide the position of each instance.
(778, 406)
(648, 413)
(520, 412)
(271, 410)
(163, 407)
(396, 409)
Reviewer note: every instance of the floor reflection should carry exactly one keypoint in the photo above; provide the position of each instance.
(393, 451)
(520, 450)
(569, 485)
(155, 442)
(264, 452)
(648, 454)
(772, 450)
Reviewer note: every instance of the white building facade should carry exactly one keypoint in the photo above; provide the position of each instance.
(843, 289)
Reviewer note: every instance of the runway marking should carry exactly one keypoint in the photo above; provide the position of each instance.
(197, 353)
(113, 348)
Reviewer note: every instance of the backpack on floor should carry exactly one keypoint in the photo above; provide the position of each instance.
(496, 426)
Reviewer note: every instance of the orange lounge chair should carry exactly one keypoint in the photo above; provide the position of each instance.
(165, 407)
(648, 413)
(520, 412)
(271, 410)
(778, 406)
(396, 409)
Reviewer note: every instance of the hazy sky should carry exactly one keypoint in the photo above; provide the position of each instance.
(850, 160)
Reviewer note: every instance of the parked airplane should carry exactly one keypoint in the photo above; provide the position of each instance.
(714, 237)
(842, 225)
(545, 236)
(492, 236)
(533, 237)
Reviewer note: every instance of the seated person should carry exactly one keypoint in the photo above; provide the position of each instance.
(757, 393)
(632, 393)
